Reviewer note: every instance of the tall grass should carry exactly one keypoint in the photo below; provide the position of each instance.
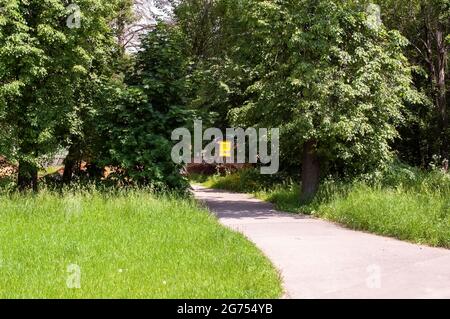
(125, 244)
(405, 214)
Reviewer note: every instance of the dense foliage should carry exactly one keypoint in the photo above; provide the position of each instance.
(67, 84)
(426, 24)
(47, 67)
(351, 85)
(138, 128)
(335, 83)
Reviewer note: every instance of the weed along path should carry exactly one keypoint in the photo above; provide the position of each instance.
(318, 259)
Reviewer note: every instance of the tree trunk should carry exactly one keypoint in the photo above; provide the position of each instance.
(441, 92)
(69, 164)
(28, 177)
(310, 171)
(68, 171)
(436, 56)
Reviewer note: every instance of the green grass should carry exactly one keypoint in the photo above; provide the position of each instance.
(246, 181)
(407, 215)
(403, 202)
(49, 170)
(126, 245)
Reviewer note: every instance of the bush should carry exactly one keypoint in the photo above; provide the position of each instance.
(139, 127)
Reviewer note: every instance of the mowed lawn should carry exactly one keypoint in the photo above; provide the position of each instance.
(129, 245)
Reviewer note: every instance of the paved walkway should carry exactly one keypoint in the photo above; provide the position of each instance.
(318, 259)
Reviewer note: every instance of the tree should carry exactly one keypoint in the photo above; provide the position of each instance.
(332, 82)
(79, 131)
(426, 24)
(47, 51)
(140, 124)
(144, 16)
(211, 29)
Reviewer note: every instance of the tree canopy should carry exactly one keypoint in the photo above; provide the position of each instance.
(351, 84)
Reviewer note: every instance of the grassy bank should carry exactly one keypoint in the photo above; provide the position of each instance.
(404, 203)
(127, 245)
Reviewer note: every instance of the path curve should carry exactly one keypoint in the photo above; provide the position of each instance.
(318, 259)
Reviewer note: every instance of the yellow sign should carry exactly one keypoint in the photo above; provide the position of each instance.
(225, 149)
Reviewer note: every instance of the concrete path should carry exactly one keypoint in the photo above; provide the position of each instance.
(318, 259)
